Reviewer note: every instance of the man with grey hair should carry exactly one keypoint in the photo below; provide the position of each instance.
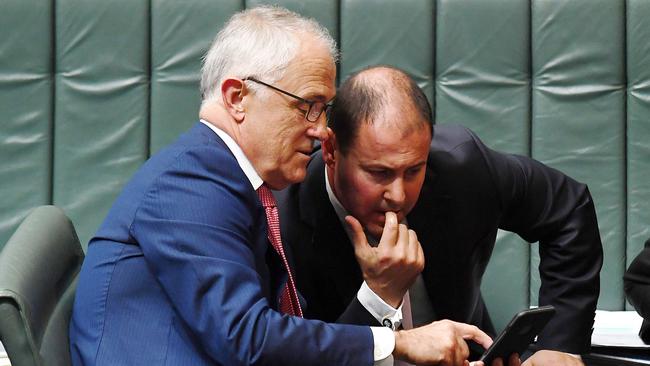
(189, 268)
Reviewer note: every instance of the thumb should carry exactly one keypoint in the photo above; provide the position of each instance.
(358, 236)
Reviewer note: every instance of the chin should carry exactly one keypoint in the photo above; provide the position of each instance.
(297, 176)
(375, 230)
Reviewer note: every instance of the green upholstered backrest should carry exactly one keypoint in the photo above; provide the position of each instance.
(38, 271)
(89, 89)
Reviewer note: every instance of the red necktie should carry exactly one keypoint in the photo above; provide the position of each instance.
(288, 301)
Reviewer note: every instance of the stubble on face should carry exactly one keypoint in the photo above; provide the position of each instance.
(382, 171)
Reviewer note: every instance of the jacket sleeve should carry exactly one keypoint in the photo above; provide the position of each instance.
(356, 313)
(198, 228)
(637, 288)
(542, 204)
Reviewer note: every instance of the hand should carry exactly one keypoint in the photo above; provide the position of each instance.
(390, 268)
(513, 360)
(548, 357)
(439, 343)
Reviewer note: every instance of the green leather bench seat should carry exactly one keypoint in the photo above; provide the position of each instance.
(89, 89)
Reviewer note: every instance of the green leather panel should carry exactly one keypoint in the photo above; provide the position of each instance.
(181, 33)
(535, 281)
(506, 280)
(482, 70)
(638, 126)
(102, 104)
(483, 82)
(578, 69)
(25, 110)
(325, 12)
(397, 33)
(89, 88)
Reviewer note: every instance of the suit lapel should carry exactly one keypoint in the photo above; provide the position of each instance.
(429, 220)
(333, 248)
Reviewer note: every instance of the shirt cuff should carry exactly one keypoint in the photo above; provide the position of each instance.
(378, 308)
(384, 340)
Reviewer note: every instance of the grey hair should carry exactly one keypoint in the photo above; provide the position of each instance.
(259, 42)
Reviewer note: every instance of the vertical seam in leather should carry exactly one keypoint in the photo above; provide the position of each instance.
(530, 128)
(434, 63)
(147, 137)
(338, 40)
(626, 87)
(53, 65)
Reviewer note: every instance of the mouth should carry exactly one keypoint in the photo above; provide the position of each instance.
(381, 216)
(305, 152)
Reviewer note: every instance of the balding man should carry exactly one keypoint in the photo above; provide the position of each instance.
(382, 166)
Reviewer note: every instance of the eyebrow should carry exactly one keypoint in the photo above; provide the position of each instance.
(313, 97)
(381, 166)
(418, 165)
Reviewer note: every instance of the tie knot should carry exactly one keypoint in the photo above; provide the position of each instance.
(266, 196)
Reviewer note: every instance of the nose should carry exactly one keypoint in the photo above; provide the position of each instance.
(319, 128)
(395, 194)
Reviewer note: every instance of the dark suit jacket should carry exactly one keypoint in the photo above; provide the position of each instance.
(469, 192)
(181, 273)
(637, 288)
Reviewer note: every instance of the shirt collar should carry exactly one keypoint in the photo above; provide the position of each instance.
(245, 164)
(341, 212)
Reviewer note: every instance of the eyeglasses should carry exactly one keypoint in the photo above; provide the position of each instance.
(315, 108)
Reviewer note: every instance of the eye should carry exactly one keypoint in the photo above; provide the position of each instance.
(380, 174)
(413, 172)
(301, 105)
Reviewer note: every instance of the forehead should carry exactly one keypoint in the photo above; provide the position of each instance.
(388, 145)
(312, 73)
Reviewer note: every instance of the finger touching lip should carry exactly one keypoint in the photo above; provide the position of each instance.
(381, 215)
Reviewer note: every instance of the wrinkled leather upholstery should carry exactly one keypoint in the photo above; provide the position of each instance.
(38, 271)
(89, 89)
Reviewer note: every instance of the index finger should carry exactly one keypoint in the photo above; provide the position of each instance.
(474, 333)
(391, 229)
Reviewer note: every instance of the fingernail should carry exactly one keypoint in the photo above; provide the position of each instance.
(391, 218)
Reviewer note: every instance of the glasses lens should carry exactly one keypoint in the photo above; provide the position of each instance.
(315, 110)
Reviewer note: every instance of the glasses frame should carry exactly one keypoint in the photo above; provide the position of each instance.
(310, 103)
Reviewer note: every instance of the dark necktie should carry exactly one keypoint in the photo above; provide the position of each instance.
(288, 301)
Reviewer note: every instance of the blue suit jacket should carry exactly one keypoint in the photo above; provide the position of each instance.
(181, 273)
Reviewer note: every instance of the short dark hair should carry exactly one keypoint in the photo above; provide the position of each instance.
(362, 99)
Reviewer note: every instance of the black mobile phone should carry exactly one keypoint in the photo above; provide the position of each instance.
(518, 334)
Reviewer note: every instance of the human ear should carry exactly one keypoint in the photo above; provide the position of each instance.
(329, 147)
(233, 92)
